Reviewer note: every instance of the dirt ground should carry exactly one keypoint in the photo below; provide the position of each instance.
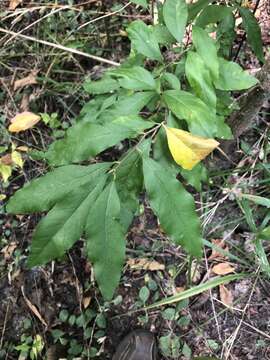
(59, 301)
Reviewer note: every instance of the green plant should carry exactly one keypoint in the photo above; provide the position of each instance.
(138, 105)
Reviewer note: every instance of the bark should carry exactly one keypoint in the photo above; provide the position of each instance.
(251, 103)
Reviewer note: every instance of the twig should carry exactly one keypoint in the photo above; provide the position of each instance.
(234, 335)
(103, 16)
(245, 35)
(36, 22)
(61, 47)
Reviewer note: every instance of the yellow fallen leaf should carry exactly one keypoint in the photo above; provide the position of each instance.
(2, 197)
(187, 149)
(145, 264)
(23, 121)
(23, 148)
(225, 296)
(223, 269)
(5, 171)
(17, 158)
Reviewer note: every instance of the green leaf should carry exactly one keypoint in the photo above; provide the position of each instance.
(128, 105)
(103, 86)
(175, 15)
(143, 3)
(135, 78)
(213, 14)
(233, 77)
(195, 176)
(259, 200)
(129, 183)
(143, 40)
(41, 194)
(162, 34)
(226, 35)
(85, 140)
(200, 118)
(144, 294)
(253, 31)
(195, 8)
(172, 80)
(265, 234)
(206, 48)
(196, 290)
(106, 240)
(199, 79)
(173, 205)
(64, 224)
(162, 154)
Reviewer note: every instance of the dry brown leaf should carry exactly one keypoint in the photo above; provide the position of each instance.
(23, 148)
(145, 264)
(6, 159)
(7, 250)
(86, 301)
(28, 80)
(226, 295)
(222, 269)
(215, 253)
(23, 121)
(33, 308)
(14, 3)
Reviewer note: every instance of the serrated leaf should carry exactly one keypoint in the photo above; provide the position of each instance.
(213, 14)
(206, 48)
(199, 79)
(23, 121)
(129, 181)
(64, 224)
(135, 78)
(106, 240)
(174, 207)
(85, 140)
(200, 118)
(103, 86)
(233, 77)
(143, 40)
(253, 31)
(187, 149)
(42, 193)
(175, 15)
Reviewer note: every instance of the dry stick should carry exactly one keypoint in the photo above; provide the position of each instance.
(61, 47)
(36, 22)
(234, 335)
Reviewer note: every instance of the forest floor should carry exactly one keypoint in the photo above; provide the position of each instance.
(55, 310)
